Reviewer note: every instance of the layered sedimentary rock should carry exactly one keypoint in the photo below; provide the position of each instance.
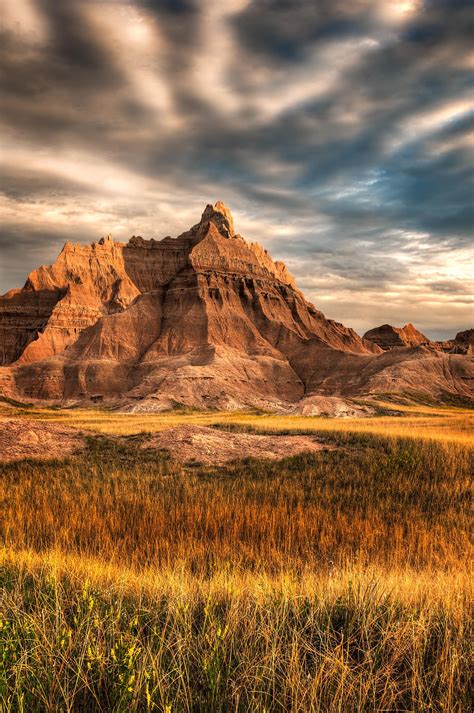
(388, 337)
(206, 319)
(24, 315)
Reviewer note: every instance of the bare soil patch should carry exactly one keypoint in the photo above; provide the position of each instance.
(23, 438)
(213, 447)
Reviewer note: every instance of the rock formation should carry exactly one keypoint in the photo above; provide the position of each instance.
(463, 342)
(206, 319)
(388, 337)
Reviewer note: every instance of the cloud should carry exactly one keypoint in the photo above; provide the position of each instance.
(339, 134)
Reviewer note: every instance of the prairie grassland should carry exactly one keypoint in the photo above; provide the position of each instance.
(446, 424)
(337, 581)
(372, 501)
(230, 643)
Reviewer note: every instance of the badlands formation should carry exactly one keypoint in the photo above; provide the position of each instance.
(208, 320)
(388, 337)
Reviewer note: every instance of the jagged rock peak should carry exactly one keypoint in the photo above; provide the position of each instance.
(221, 216)
(107, 239)
(387, 337)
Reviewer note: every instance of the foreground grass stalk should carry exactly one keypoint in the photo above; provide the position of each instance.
(291, 646)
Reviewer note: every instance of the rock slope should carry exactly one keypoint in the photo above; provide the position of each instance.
(205, 319)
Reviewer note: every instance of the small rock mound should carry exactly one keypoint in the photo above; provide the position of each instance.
(22, 438)
(211, 446)
(332, 406)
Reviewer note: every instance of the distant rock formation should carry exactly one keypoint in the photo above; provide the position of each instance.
(388, 337)
(205, 319)
(463, 342)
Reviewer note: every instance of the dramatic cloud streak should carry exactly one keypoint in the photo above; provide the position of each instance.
(339, 133)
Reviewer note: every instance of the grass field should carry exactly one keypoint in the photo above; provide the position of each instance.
(337, 581)
(448, 424)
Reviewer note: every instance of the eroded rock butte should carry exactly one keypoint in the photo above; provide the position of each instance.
(206, 319)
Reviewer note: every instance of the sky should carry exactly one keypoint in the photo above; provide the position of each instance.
(338, 132)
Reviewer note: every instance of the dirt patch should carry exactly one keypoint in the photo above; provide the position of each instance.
(23, 438)
(214, 447)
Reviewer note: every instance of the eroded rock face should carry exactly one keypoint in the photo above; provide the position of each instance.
(24, 314)
(463, 342)
(206, 319)
(388, 337)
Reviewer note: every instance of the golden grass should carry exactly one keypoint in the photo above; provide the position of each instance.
(407, 585)
(390, 503)
(442, 424)
(336, 581)
(77, 635)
